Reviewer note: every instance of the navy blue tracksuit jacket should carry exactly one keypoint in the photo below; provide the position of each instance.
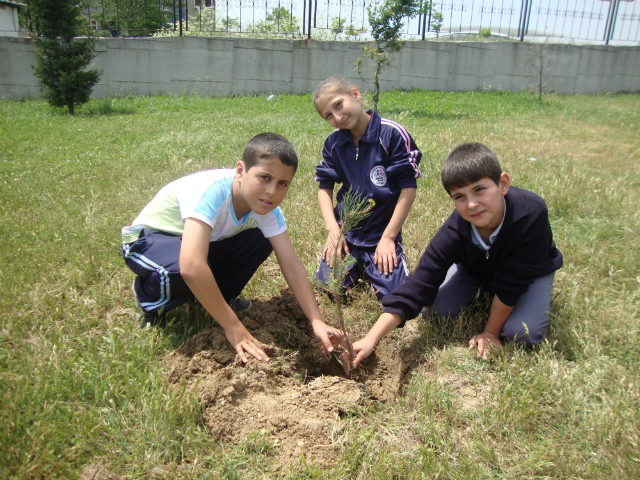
(385, 161)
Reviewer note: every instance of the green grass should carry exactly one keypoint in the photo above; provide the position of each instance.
(81, 383)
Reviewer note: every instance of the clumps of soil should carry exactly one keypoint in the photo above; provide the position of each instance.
(296, 399)
(95, 471)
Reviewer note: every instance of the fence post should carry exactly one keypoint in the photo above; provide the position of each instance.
(611, 20)
(424, 18)
(524, 19)
(180, 8)
(309, 23)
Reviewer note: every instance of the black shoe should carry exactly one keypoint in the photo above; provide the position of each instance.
(154, 318)
(240, 305)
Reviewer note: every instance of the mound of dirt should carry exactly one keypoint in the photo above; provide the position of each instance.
(296, 398)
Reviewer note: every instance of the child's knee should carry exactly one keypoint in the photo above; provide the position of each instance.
(525, 334)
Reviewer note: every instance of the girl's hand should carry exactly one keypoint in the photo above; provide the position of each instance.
(328, 250)
(330, 337)
(385, 257)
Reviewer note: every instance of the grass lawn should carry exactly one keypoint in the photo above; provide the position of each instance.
(81, 383)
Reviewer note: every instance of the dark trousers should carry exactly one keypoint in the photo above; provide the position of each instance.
(527, 323)
(154, 257)
(365, 267)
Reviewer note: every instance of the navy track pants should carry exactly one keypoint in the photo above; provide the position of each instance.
(154, 258)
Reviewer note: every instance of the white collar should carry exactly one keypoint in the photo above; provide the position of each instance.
(492, 237)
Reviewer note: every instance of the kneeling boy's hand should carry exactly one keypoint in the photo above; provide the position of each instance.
(242, 341)
(485, 342)
(362, 349)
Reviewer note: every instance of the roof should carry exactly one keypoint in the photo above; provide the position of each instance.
(11, 2)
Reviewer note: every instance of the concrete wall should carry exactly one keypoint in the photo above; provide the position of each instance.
(224, 66)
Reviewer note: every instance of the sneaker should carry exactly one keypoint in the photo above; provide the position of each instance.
(153, 318)
(240, 305)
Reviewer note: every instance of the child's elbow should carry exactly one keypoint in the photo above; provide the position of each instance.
(189, 269)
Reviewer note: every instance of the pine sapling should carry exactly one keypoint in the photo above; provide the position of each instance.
(355, 209)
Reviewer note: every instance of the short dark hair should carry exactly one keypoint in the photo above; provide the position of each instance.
(266, 145)
(469, 163)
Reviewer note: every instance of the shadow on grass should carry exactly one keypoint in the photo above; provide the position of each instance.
(439, 332)
(425, 114)
(105, 106)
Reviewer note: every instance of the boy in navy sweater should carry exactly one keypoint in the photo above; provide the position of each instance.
(497, 240)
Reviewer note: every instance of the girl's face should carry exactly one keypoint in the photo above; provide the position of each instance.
(342, 110)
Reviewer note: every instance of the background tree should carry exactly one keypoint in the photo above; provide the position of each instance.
(337, 26)
(133, 17)
(537, 63)
(436, 18)
(386, 18)
(62, 60)
(278, 21)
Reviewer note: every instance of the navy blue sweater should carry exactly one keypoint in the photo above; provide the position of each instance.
(385, 162)
(523, 250)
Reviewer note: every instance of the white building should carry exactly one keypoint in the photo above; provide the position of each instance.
(9, 25)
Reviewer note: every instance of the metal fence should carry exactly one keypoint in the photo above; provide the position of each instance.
(606, 21)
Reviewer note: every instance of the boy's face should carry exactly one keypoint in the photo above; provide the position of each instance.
(261, 188)
(341, 110)
(481, 203)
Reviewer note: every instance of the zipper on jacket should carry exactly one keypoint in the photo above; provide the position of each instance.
(357, 153)
(487, 256)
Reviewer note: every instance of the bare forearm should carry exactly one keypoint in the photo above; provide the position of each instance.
(325, 199)
(203, 285)
(400, 213)
(497, 316)
(386, 323)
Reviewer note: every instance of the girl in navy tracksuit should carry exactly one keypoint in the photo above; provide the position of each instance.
(378, 159)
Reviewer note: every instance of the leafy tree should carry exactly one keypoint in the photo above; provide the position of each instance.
(278, 21)
(337, 26)
(352, 31)
(436, 20)
(62, 60)
(133, 17)
(386, 18)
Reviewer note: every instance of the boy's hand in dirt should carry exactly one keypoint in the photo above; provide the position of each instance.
(328, 250)
(362, 349)
(329, 336)
(242, 341)
(385, 257)
(485, 341)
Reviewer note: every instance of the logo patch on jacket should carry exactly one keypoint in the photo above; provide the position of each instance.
(378, 176)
